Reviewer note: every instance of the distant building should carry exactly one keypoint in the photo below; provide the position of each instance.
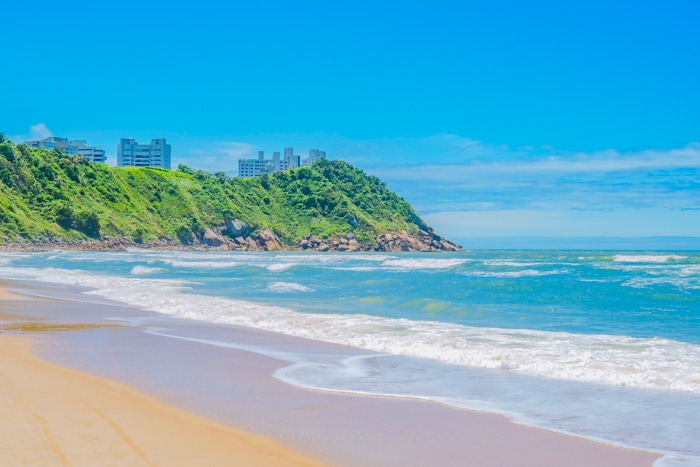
(290, 161)
(314, 155)
(254, 167)
(155, 154)
(259, 166)
(70, 147)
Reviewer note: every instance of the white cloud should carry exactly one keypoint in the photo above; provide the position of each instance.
(597, 162)
(39, 131)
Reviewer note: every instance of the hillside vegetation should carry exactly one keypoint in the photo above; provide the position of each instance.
(46, 195)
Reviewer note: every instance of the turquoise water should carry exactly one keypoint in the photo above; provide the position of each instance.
(600, 344)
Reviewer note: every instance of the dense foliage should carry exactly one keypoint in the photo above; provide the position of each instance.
(47, 194)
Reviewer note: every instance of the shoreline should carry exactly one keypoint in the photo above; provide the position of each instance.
(380, 430)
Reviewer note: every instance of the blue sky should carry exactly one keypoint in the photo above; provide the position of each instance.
(499, 118)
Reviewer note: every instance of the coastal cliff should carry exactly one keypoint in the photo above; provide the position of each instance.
(52, 200)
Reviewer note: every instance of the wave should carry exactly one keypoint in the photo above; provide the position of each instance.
(202, 264)
(145, 270)
(514, 263)
(288, 287)
(651, 363)
(334, 257)
(424, 263)
(513, 274)
(647, 258)
(646, 282)
(277, 267)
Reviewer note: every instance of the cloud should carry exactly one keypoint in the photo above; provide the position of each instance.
(470, 175)
(39, 131)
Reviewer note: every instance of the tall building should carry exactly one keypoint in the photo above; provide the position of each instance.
(314, 155)
(254, 167)
(259, 166)
(70, 147)
(155, 154)
(290, 161)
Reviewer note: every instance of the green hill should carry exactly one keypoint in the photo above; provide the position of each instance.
(47, 197)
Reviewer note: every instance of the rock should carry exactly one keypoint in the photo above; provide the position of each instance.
(211, 238)
(353, 245)
(269, 241)
(237, 228)
(343, 247)
(350, 236)
(352, 221)
(323, 247)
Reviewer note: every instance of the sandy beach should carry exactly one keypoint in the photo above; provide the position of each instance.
(79, 389)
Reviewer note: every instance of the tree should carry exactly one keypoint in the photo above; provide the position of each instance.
(88, 223)
(221, 177)
(2, 137)
(185, 235)
(64, 216)
(184, 169)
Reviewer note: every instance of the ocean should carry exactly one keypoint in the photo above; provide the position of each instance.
(599, 344)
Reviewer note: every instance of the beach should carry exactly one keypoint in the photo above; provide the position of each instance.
(80, 388)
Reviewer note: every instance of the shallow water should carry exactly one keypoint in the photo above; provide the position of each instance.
(600, 344)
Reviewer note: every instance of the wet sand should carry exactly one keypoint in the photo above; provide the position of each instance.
(216, 389)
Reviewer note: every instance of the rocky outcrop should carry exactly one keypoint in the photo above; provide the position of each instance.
(269, 241)
(265, 240)
(397, 241)
(211, 238)
(237, 228)
(425, 241)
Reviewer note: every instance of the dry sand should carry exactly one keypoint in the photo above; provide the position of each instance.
(57, 416)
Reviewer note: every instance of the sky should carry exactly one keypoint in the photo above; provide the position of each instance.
(493, 118)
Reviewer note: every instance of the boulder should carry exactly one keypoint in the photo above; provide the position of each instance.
(353, 245)
(323, 247)
(269, 241)
(237, 228)
(211, 238)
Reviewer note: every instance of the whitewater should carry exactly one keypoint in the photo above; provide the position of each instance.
(599, 344)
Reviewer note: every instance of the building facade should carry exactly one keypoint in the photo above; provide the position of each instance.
(260, 166)
(71, 147)
(314, 155)
(132, 154)
(254, 167)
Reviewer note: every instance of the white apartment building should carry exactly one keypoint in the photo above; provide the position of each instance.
(155, 154)
(259, 166)
(314, 155)
(70, 147)
(254, 167)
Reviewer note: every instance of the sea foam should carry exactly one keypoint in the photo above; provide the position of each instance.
(651, 363)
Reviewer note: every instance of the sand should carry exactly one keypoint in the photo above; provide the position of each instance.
(53, 415)
(57, 416)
